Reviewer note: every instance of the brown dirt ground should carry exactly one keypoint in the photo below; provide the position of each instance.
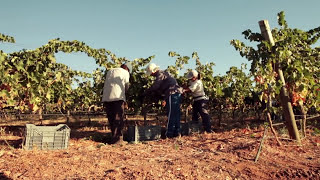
(220, 155)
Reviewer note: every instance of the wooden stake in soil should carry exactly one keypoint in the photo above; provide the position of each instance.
(68, 116)
(304, 120)
(136, 134)
(284, 97)
(40, 115)
(272, 129)
(261, 144)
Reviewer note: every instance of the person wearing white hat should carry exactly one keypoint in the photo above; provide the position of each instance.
(200, 100)
(113, 98)
(166, 86)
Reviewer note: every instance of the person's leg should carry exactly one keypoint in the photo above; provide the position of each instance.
(204, 112)
(195, 111)
(108, 106)
(176, 113)
(170, 124)
(119, 119)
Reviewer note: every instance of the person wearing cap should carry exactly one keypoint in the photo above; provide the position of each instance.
(200, 100)
(166, 86)
(114, 97)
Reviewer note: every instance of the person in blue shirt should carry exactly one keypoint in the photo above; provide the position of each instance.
(166, 86)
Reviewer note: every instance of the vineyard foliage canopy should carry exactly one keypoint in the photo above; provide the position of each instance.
(32, 80)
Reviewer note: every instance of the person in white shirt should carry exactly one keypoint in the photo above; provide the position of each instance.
(200, 100)
(114, 98)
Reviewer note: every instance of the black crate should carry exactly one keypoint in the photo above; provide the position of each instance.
(143, 133)
(190, 128)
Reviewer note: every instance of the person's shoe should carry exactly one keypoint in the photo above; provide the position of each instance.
(177, 135)
(114, 140)
(169, 135)
(120, 141)
(208, 131)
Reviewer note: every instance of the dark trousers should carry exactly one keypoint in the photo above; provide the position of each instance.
(201, 107)
(115, 115)
(174, 115)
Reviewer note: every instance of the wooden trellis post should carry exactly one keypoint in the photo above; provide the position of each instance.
(284, 98)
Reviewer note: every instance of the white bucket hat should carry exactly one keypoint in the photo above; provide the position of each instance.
(192, 73)
(151, 68)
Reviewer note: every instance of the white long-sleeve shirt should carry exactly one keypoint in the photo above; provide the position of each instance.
(115, 85)
(196, 87)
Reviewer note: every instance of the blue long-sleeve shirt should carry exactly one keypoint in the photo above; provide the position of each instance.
(164, 85)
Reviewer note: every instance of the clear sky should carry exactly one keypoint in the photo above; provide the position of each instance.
(141, 28)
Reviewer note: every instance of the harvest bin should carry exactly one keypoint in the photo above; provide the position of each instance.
(143, 133)
(47, 137)
(190, 128)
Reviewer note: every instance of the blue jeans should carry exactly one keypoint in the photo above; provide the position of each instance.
(173, 112)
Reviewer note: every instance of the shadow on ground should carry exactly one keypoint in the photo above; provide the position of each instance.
(4, 177)
(12, 136)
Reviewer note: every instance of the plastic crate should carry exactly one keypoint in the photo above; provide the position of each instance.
(190, 128)
(143, 133)
(47, 137)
